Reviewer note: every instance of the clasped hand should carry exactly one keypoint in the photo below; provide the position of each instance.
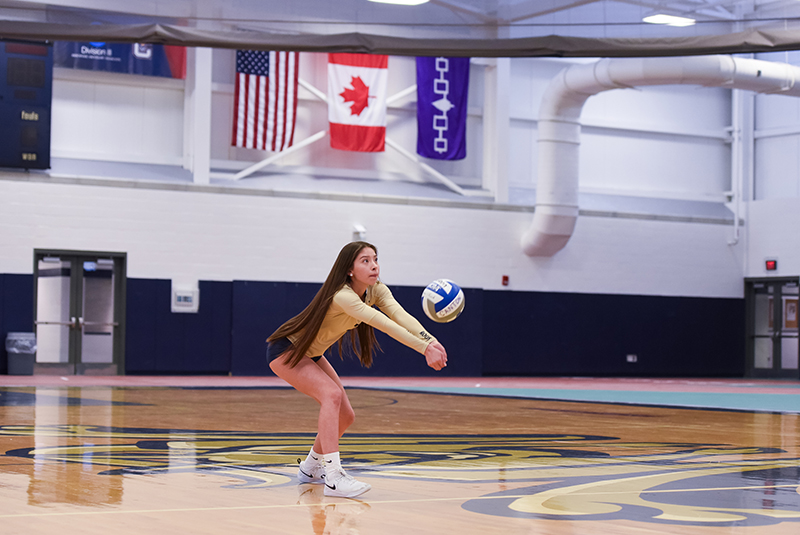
(436, 356)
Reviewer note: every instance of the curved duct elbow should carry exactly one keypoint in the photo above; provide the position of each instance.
(551, 230)
(556, 209)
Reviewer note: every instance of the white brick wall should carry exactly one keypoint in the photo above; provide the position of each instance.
(773, 232)
(190, 235)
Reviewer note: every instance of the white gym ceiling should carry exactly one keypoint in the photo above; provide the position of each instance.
(479, 19)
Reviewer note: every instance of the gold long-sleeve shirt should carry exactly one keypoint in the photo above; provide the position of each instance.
(347, 310)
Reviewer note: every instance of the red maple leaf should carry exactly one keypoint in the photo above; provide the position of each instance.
(358, 95)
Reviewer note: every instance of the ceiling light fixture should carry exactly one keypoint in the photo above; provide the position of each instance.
(669, 20)
(401, 2)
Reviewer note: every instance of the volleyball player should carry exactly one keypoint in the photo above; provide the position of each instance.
(296, 350)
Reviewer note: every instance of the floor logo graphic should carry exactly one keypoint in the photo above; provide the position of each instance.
(558, 477)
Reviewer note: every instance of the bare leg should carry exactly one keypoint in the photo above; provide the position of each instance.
(346, 413)
(319, 381)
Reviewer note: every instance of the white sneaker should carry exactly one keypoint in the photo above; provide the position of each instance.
(341, 485)
(310, 473)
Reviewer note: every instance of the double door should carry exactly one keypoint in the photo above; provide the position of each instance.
(772, 308)
(79, 311)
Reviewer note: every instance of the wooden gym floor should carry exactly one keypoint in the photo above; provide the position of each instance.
(157, 455)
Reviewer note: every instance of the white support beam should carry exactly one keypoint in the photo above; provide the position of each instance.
(414, 158)
(496, 125)
(536, 8)
(197, 115)
(703, 11)
(457, 7)
(313, 90)
(400, 95)
(778, 9)
(717, 12)
(275, 157)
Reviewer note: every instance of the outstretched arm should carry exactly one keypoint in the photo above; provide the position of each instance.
(354, 307)
(397, 313)
(400, 325)
(435, 354)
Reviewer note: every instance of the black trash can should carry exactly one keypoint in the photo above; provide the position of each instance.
(21, 349)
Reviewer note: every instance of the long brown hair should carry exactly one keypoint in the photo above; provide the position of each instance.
(309, 321)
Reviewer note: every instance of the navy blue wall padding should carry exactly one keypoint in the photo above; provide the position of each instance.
(499, 332)
(140, 319)
(159, 341)
(541, 333)
(16, 310)
(258, 309)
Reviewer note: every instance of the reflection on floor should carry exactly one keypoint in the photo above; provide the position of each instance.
(211, 455)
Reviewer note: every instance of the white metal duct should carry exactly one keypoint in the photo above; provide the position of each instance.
(559, 127)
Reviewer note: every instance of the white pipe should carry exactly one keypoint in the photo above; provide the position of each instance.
(559, 123)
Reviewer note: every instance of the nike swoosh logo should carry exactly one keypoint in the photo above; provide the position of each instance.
(332, 488)
(304, 473)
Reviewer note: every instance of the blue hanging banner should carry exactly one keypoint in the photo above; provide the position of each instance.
(442, 87)
(146, 59)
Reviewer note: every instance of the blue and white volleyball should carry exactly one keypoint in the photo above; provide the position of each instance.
(442, 300)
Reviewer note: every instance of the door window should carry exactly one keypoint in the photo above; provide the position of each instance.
(53, 321)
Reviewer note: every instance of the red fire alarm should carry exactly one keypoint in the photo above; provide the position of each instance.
(505, 280)
(771, 265)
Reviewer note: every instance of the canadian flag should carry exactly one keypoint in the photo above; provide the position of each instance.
(357, 101)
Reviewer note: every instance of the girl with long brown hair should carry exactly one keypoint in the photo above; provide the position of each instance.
(296, 353)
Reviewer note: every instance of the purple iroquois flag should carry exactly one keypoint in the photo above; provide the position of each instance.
(442, 85)
(265, 100)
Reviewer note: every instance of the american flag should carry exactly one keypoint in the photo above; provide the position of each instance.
(265, 100)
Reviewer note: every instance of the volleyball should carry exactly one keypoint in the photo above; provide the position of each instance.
(442, 300)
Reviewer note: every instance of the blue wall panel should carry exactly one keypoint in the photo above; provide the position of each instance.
(140, 340)
(16, 310)
(160, 341)
(540, 333)
(258, 309)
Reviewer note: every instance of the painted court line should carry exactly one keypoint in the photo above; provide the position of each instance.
(371, 502)
(785, 403)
